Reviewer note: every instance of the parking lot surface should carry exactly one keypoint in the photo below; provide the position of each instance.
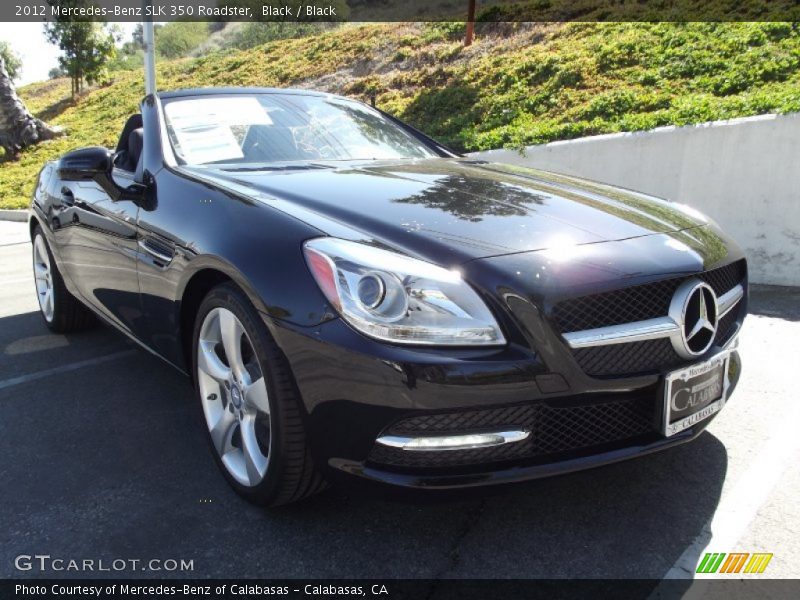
(102, 456)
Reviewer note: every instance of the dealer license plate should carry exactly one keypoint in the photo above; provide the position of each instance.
(695, 393)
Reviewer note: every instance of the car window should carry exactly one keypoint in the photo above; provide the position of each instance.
(264, 128)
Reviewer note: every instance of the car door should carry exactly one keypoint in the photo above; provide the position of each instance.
(166, 247)
(100, 252)
(162, 219)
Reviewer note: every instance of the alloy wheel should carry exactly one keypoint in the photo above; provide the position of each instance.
(43, 276)
(234, 395)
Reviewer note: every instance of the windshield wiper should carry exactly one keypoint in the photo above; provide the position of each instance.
(302, 167)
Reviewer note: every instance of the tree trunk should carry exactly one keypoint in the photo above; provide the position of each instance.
(470, 23)
(18, 127)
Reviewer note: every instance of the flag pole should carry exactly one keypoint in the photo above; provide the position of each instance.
(149, 49)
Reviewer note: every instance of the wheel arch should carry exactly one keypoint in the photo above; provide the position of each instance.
(33, 223)
(208, 273)
(197, 287)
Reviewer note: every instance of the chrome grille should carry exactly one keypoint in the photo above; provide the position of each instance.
(640, 303)
(640, 358)
(636, 303)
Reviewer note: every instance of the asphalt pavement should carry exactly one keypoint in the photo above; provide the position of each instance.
(102, 456)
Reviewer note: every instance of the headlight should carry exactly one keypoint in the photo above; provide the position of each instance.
(400, 299)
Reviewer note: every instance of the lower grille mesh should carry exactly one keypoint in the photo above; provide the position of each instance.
(554, 429)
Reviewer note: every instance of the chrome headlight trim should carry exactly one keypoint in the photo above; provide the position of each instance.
(422, 303)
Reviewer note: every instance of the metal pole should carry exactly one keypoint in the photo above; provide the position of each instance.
(149, 50)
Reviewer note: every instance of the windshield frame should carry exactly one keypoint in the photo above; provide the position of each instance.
(172, 158)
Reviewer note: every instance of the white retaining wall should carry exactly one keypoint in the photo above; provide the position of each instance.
(744, 173)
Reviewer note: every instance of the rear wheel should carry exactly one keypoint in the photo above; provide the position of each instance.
(61, 311)
(250, 403)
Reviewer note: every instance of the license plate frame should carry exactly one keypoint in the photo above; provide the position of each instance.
(679, 380)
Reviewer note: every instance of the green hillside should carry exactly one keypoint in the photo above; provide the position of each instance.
(518, 84)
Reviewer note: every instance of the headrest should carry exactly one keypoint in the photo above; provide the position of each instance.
(136, 143)
(133, 122)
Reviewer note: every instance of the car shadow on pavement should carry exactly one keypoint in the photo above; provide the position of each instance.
(111, 461)
(628, 520)
(27, 346)
(775, 301)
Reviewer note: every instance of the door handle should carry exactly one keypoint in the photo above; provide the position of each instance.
(67, 197)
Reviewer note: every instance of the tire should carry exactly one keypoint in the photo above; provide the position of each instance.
(256, 432)
(62, 312)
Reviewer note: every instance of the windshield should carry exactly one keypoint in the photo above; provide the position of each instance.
(268, 128)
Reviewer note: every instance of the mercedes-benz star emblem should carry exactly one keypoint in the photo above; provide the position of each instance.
(694, 309)
(236, 396)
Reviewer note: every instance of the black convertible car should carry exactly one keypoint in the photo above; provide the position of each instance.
(349, 296)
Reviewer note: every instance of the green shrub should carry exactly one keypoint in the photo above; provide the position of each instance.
(250, 35)
(177, 39)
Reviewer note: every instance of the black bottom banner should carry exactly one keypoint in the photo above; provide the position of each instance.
(445, 589)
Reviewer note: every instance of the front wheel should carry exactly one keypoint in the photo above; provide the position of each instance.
(250, 403)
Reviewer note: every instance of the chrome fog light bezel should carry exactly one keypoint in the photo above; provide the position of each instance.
(464, 441)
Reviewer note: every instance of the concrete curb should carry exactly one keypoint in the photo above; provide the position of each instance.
(13, 215)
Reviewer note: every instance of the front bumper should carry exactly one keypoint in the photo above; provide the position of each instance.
(535, 468)
(513, 473)
(355, 390)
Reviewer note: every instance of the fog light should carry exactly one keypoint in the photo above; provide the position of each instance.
(453, 442)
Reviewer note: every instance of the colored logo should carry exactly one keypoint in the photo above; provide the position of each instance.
(734, 562)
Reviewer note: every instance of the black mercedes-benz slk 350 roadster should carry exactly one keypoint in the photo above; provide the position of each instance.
(349, 296)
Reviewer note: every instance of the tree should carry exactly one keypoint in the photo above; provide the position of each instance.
(470, 23)
(86, 46)
(138, 35)
(18, 127)
(130, 55)
(12, 60)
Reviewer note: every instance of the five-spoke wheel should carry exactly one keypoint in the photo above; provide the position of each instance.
(251, 405)
(234, 396)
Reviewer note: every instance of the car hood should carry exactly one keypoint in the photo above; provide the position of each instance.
(455, 210)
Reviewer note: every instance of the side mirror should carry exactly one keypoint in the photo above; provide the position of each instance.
(85, 164)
